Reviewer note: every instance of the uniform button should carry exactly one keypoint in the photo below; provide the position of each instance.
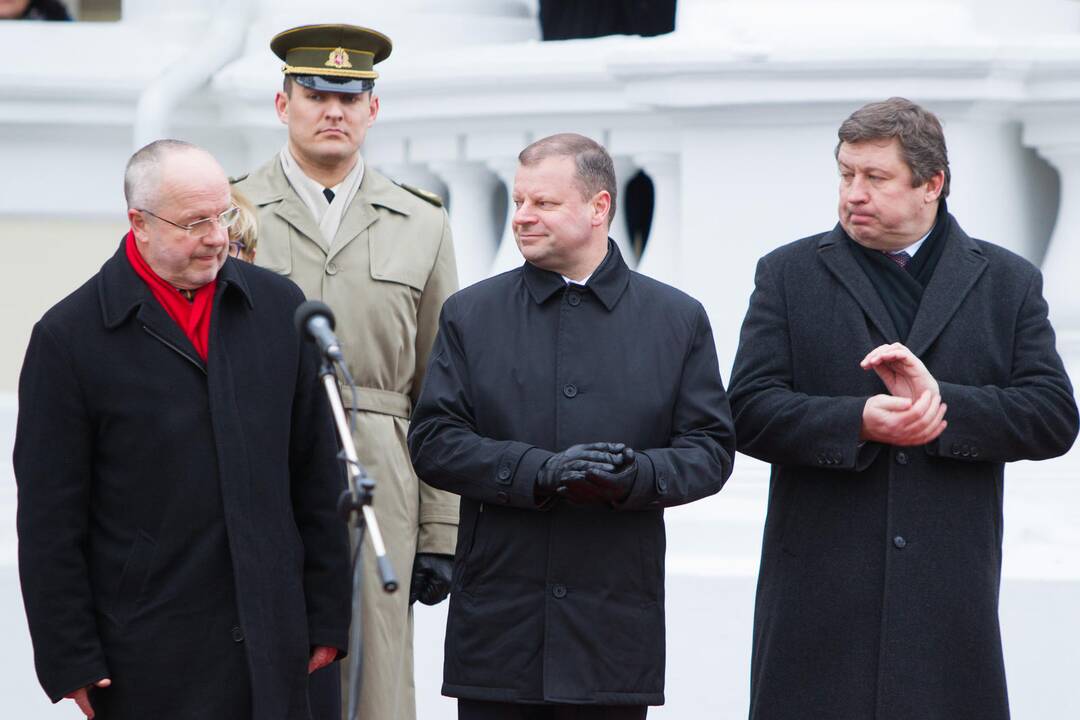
(502, 497)
(821, 459)
(955, 449)
(837, 458)
(504, 473)
(331, 269)
(559, 591)
(965, 451)
(569, 390)
(899, 542)
(237, 634)
(974, 451)
(661, 483)
(901, 457)
(574, 299)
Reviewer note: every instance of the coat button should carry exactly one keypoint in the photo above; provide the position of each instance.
(955, 449)
(504, 473)
(569, 390)
(237, 634)
(901, 457)
(965, 451)
(837, 458)
(661, 483)
(574, 299)
(899, 542)
(821, 459)
(331, 269)
(502, 497)
(559, 591)
(974, 451)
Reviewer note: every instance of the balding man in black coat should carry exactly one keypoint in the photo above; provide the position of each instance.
(888, 369)
(179, 548)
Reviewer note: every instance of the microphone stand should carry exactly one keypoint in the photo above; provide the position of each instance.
(355, 507)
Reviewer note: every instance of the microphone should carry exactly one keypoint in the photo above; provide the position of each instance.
(315, 321)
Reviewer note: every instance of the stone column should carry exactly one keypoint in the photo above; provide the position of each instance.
(473, 191)
(663, 252)
(620, 233)
(1058, 141)
(508, 256)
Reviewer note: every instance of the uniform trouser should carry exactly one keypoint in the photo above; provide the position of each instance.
(387, 692)
(482, 710)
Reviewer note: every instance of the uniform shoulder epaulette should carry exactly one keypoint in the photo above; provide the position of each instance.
(422, 194)
(238, 178)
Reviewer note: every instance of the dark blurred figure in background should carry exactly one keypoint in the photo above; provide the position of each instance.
(569, 19)
(33, 10)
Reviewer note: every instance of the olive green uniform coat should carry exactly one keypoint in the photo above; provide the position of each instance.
(386, 276)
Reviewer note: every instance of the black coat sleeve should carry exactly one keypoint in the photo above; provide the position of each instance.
(1032, 417)
(701, 454)
(53, 459)
(773, 422)
(317, 480)
(446, 449)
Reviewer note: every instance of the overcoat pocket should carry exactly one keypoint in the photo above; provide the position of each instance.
(133, 577)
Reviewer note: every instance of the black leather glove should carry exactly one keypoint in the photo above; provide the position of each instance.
(615, 486)
(565, 474)
(431, 575)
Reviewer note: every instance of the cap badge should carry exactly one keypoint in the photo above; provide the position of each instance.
(338, 59)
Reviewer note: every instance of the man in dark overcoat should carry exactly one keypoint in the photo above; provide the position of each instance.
(888, 369)
(568, 402)
(179, 548)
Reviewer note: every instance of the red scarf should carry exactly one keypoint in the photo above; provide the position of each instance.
(192, 317)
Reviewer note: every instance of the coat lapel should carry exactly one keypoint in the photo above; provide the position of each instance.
(375, 190)
(122, 291)
(960, 266)
(269, 186)
(835, 251)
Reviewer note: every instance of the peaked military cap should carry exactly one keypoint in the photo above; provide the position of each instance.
(332, 58)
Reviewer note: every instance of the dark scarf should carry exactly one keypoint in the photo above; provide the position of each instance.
(901, 289)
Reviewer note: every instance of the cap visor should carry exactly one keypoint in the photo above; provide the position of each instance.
(352, 86)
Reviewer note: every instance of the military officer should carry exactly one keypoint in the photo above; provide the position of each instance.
(380, 254)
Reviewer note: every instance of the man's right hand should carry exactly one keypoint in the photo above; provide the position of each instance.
(899, 421)
(82, 697)
(564, 474)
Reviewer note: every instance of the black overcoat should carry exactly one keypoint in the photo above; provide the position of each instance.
(566, 604)
(880, 567)
(176, 519)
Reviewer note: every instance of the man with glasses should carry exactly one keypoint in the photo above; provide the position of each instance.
(179, 548)
(381, 256)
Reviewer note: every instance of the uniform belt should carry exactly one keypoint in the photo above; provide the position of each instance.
(386, 402)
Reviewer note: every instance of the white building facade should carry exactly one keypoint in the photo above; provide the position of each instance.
(733, 118)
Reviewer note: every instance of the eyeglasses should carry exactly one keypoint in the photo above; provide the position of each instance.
(201, 228)
(236, 247)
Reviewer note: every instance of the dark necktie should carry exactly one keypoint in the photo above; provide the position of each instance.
(329, 194)
(901, 258)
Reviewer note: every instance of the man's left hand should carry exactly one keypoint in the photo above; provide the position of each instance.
(615, 486)
(903, 374)
(431, 578)
(321, 656)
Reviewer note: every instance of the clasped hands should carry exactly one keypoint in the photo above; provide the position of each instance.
(912, 413)
(599, 473)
